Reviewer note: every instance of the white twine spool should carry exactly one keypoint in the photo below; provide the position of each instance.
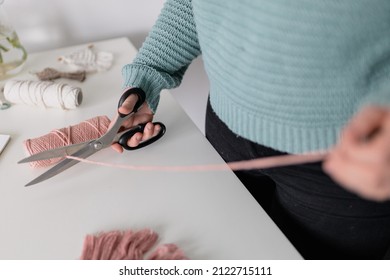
(44, 94)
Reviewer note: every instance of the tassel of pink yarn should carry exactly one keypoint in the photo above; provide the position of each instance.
(128, 245)
(82, 132)
(167, 252)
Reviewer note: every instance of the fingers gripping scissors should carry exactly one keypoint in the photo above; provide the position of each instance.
(86, 149)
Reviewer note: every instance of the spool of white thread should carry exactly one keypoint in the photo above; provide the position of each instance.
(44, 94)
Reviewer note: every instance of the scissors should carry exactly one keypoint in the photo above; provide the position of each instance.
(86, 149)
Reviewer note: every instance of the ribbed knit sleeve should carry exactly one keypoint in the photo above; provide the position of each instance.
(166, 53)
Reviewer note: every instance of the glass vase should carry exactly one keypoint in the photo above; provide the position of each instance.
(12, 54)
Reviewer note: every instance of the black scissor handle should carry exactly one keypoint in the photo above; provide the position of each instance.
(140, 128)
(141, 99)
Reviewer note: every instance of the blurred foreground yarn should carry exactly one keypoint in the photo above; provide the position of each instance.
(128, 245)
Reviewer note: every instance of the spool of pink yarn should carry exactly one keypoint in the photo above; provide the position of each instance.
(128, 245)
(82, 132)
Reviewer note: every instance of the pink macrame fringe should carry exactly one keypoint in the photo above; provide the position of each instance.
(128, 245)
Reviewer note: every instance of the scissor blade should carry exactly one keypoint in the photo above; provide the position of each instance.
(55, 153)
(63, 165)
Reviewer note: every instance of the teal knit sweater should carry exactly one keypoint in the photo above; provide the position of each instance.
(284, 74)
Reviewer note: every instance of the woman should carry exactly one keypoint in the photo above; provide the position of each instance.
(289, 77)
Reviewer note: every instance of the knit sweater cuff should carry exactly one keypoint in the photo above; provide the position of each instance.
(146, 78)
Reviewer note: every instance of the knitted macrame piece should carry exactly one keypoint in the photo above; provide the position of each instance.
(88, 60)
(128, 245)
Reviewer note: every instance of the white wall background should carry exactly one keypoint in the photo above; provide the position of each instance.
(47, 24)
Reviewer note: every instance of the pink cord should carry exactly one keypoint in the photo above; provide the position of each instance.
(259, 163)
(95, 127)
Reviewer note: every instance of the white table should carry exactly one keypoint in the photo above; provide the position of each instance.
(210, 215)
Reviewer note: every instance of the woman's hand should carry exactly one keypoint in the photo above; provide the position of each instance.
(361, 160)
(143, 115)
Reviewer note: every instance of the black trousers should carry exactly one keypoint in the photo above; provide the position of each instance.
(320, 218)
